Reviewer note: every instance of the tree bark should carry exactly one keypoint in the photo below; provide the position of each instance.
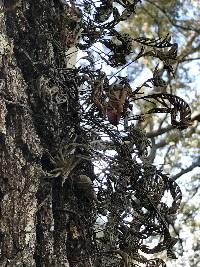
(38, 99)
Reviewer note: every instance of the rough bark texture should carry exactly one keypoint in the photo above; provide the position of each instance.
(40, 223)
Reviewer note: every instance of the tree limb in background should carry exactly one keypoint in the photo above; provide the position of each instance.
(186, 170)
(174, 23)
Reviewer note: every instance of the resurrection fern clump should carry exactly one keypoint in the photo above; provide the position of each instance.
(130, 191)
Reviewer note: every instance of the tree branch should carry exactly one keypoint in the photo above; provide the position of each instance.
(169, 128)
(196, 117)
(174, 23)
(154, 148)
(186, 170)
(190, 59)
(160, 131)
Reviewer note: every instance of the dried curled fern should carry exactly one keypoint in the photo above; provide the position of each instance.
(174, 105)
(156, 43)
(129, 189)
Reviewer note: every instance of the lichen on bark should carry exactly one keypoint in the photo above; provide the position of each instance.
(35, 122)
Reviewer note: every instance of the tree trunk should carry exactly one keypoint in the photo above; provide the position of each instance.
(40, 221)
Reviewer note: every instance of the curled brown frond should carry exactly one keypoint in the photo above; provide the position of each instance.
(174, 105)
(153, 42)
